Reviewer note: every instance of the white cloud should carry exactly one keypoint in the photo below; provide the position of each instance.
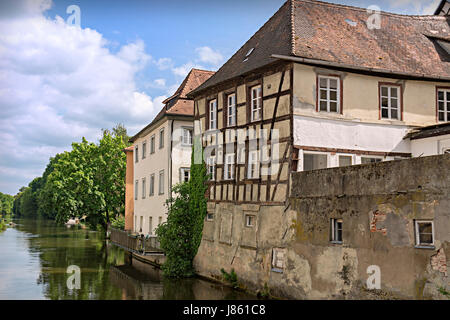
(208, 55)
(426, 7)
(59, 83)
(164, 63)
(183, 70)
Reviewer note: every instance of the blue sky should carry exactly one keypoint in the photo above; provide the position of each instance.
(59, 83)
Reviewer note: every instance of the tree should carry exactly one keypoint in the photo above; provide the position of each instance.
(181, 235)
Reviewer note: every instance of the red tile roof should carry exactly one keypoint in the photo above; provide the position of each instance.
(178, 103)
(339, 35)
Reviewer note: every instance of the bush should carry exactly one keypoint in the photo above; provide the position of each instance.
(118, 223)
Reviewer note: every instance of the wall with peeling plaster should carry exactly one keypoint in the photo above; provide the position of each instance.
(378, 204)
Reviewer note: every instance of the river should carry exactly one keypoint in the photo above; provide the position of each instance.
(35, 255)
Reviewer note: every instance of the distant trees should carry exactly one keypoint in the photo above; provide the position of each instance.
(6, 204)
(88, 180)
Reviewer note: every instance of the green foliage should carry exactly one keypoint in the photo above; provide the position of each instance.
(118, 223)
(265, 292)
(6, 204)
(87, 181)
(180, 236)
(231, 277)
(444, 292)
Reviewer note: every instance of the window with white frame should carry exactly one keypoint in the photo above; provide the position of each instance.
(229, 166)
(390, 102)
(161, 138)
(152, 144)
(345, 161)
(336, 230)
(209, 216)
(161, 182)
(231, 109)
(152, 184)
(255, 102)
(329, 94)
(143, 188)
(314, 161)
(253, 167)
(211, 165)
(278, 255)
(185, 174)
(187, 136)
(136, 187)
(150, 225)
(365, 160)
(424, 232)
(213, 114)
(443, 100)
(144, 149)
(136, 154)
(250, 220)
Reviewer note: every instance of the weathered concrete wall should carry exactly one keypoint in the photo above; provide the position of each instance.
(377, 203)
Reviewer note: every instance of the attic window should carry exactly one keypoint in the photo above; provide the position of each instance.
(351, 22)
(248, 54)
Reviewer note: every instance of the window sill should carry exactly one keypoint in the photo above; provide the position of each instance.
(336, 242)
(422, 246)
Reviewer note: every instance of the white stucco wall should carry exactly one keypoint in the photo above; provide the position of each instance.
(181, 153)
(430, 146)
(342, 134)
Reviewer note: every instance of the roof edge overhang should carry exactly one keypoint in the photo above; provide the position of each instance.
(165, 117)
(377, 71)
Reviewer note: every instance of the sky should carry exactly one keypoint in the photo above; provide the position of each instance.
(59, 82)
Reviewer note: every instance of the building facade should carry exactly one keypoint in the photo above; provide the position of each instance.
(316, 87)
(162, 155)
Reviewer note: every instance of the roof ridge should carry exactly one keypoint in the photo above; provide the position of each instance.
(237, 51)
(202, 70)
(386, 13)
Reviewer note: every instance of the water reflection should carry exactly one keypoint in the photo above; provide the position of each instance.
(34, 257)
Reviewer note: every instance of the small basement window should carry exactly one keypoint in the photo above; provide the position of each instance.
(336, 230)
(278, 255)
(424, 233)
(209, 216)
(365, 160)
(249, 220)
(345, 161)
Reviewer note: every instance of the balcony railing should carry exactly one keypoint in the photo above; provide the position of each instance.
(143, 245)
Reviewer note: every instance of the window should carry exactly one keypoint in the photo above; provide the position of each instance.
(209, 216)
(278, 259)
(255, 103)
(187, 136)
(329, 94)
(424, 233)
(229, 167)
(365, 160)
(443, 100)
(336, 230)
(141, 222)
(161, 138)
(253, 169)
(314, 161)
(152, 144)
(136, 154)
(144, 149)
(150, 225)
(345, 161)
(249, 220)
(390, 102)
(161, 182)
(159, 221)
(152, 184)
(143, 188)
(211, 163)
(231, 110)
(185, 174)
(213, 114)
(136, 187)
(135, 223)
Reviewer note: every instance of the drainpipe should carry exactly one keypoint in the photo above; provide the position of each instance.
(170, 158)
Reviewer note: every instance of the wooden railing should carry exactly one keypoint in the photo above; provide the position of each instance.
(135, 243)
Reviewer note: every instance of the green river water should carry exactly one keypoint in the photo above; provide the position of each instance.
(35, 255)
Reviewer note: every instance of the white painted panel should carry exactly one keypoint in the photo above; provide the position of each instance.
(430, 146)
(327, 133)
